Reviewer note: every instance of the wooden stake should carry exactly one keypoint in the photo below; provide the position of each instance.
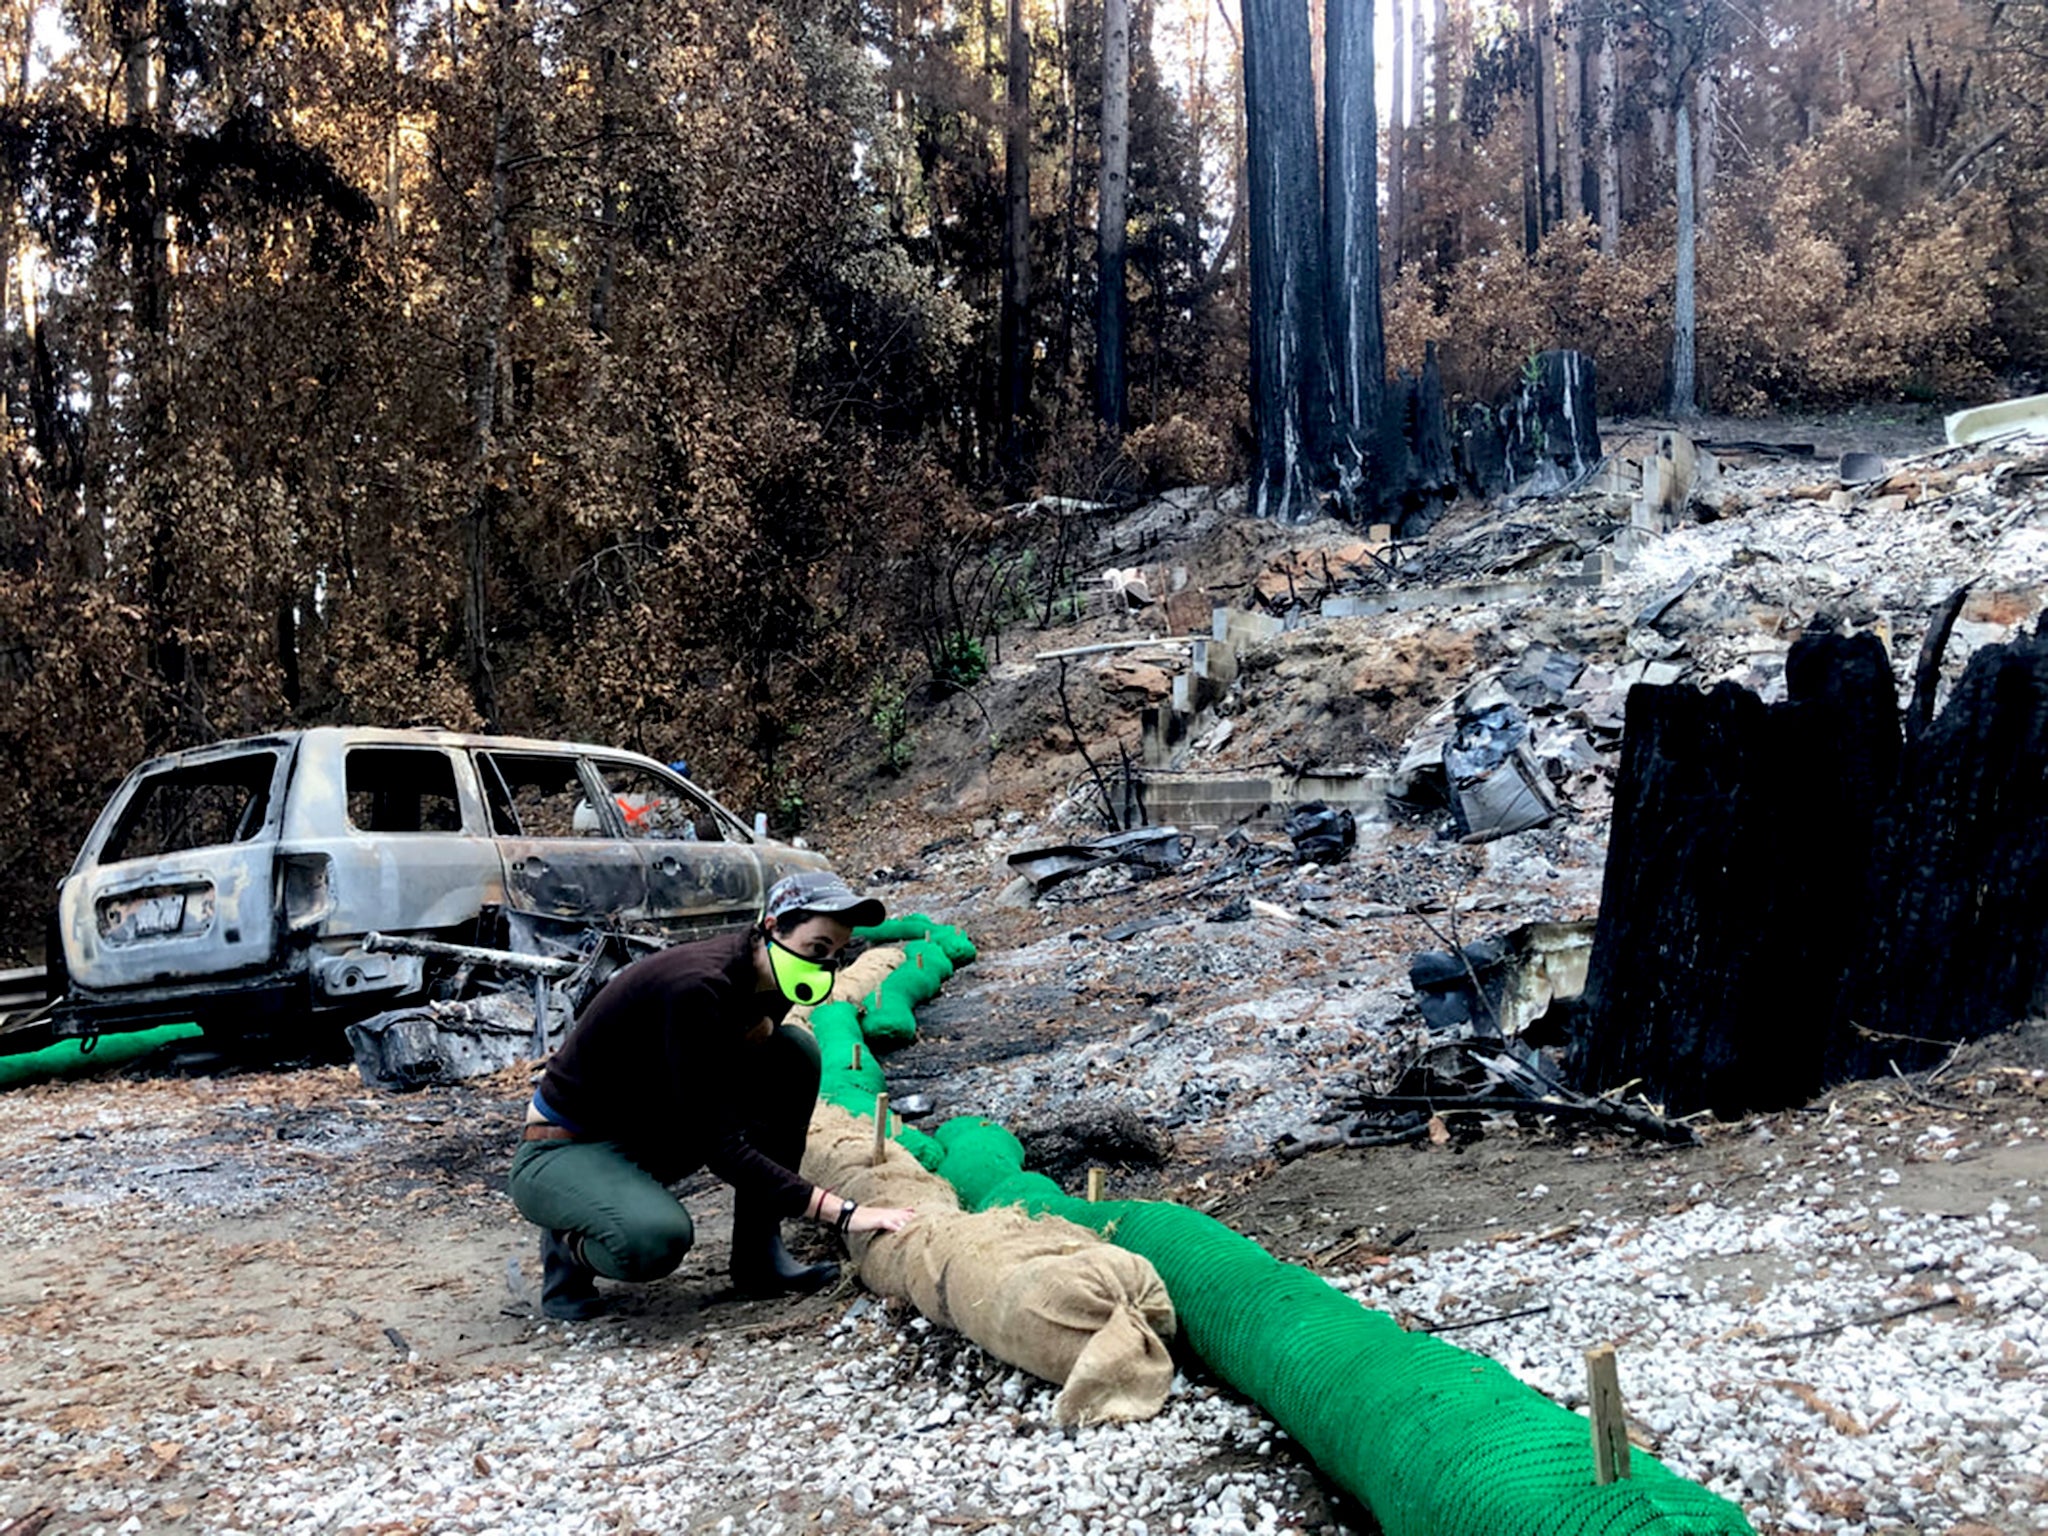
(881, 1129)
(1096, 1179)
(1610, 1419)
(856, 1056)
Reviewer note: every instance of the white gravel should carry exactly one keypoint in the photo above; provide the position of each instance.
(603, 1432)
(1730, 1317)
(1734, 1357)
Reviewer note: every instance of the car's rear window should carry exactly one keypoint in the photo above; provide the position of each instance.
(196, 805)
(402, 789)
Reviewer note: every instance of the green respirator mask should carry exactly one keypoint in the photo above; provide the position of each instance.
(801, 980)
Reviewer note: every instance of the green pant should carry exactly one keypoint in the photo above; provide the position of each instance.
(632, 1227)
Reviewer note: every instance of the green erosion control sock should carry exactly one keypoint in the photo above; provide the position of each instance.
(958, 947)
(1434, 1440)
(68, 1058)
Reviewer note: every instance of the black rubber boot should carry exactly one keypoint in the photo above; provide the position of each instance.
(761, 1266)
(568, 1286)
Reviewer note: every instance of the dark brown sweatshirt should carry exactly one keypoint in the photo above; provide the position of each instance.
(652, 1061)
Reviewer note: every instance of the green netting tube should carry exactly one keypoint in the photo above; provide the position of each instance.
(888, 1013)
(67, 1058)
(958, 947)
(1436, 1441)
(853, 1088)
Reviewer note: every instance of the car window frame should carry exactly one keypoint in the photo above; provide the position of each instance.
(491, 783)
(735, 831)
(453, 760)
(113, 820)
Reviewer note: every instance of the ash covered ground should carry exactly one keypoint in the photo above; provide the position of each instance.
(277, 1301)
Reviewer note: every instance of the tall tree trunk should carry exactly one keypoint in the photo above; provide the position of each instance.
(394, 20)
(609, 212)
(487, 390)
(1069, 287)
(1610, 148)
(1683, 402)
(1291, 405)
(1572, 129)
(1414, 158)
(1535, 137)
(1532, 214)
(177, 715)
(1706, 146)
(1397, 138)
(1109, 215)
(1201, 126)
(1446, 136)
(1663, 91)
(1351, 244)
(1440, 76)
(1015, 362)
(1547, 186)
(1232, 258)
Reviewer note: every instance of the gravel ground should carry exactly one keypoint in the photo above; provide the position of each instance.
(1838, 1318)
(1832, 1362)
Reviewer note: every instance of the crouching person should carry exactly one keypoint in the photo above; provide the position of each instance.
(683, 1062)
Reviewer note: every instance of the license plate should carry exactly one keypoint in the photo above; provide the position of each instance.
(124, 920)
(159, 914)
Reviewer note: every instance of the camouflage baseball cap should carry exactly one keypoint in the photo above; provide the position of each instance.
(821, 892)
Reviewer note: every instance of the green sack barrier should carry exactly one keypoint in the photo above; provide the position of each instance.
(69, 1058)
(837, 1027)
(1435, 1441)
(916, 926)
(887, 1013)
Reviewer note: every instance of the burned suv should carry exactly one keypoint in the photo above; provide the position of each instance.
(340, 872)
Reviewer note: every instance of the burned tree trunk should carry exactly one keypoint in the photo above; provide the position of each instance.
(1960, 884)
(1351, 244)
(1732, 904)
(1605, 108)
(1550, 420)
(1397, 137)
(1572, 121)
(1671, 993)
(1014, 365)
(1109, 218)
(1290, 356)
(1684, 401)
(1796, 894)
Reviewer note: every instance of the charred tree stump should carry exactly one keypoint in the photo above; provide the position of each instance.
(1413, 473)
(1481, 451)
(1550, 420)
(1436, 474)
(1735, 900)
(1960, 881)
(1673, 984)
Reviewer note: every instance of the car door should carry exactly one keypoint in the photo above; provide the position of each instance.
(564, 852)
(703, 875)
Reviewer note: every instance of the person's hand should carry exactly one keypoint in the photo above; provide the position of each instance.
(880, 1218)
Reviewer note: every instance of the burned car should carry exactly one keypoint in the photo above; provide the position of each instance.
(337, 873)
